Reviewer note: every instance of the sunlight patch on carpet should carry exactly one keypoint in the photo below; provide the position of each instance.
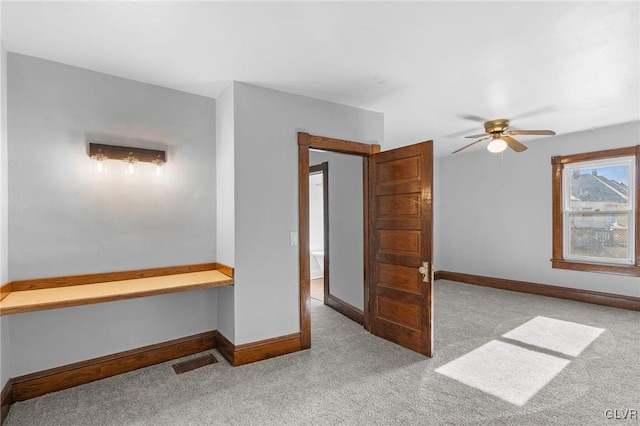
(564, 337)
(506, 371)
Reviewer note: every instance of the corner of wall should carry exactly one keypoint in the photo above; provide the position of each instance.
(4, 252)
(225, 204)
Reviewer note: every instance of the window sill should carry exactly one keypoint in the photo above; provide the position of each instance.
(630, 270)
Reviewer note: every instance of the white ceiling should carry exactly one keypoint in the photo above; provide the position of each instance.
(430, 67)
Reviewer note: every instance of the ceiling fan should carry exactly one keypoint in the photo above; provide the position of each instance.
(497, 130)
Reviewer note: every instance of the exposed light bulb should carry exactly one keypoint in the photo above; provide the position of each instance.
(99, 163)
(158, 169)
(130, 165)
(497, 145)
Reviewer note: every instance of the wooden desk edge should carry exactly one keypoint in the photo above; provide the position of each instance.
(110, 298)
(71, 280)
(9, 288)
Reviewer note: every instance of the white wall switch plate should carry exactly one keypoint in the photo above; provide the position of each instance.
(293, 238)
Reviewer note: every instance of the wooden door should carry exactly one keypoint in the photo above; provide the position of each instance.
(400, 229)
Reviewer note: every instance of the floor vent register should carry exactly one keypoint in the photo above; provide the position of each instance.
(192, 364)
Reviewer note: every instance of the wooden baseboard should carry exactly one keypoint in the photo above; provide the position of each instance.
(596, 297)
(345, 309)
(225, 347)
(55, 379)
(257, 351)
(265, 349)
(6, 399)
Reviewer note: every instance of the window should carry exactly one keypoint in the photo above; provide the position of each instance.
(595, 198)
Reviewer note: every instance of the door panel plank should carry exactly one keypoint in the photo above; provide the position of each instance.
(399, 205)
(399, 223)
(400, 229)
(399, 276)
(399, 334)
(402, 313)
(398, 259)
(398, 170)
(400, 296)
(406, 187)
(399, 241)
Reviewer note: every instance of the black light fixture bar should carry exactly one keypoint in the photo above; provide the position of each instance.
(114, 152)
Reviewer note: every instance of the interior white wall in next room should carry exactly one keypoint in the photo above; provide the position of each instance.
(495, 211)
(266, 205)
(62, 222)
(316, 223)
(346, 227)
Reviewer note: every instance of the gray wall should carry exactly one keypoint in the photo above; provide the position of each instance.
(266, 202)
(225, 192)
(495, 211)
(437, 231)
(4, 240)
(47, 339)
(64, 222)
(346, 228)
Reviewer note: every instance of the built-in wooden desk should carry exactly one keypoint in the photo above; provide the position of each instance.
(29, 297)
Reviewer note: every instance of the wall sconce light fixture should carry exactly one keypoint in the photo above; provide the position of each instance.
(130, 156)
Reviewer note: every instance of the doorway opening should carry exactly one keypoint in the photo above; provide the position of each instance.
(306, 143)
(397, 213)
(319, 230)
(336, 211)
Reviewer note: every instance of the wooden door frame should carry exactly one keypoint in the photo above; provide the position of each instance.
(324, 169)
(306, 142)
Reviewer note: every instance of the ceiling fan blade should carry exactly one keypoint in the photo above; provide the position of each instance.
(472, 117)
(477, 136)
(531, 132)
(513, 144)
(472, 143)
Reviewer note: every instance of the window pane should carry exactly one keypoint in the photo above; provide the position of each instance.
(599, 188)
(603, 236)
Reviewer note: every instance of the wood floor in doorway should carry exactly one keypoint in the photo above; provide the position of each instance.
(317, 289)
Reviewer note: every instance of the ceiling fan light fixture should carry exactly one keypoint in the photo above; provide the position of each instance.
(498, 130)
(497, 145)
